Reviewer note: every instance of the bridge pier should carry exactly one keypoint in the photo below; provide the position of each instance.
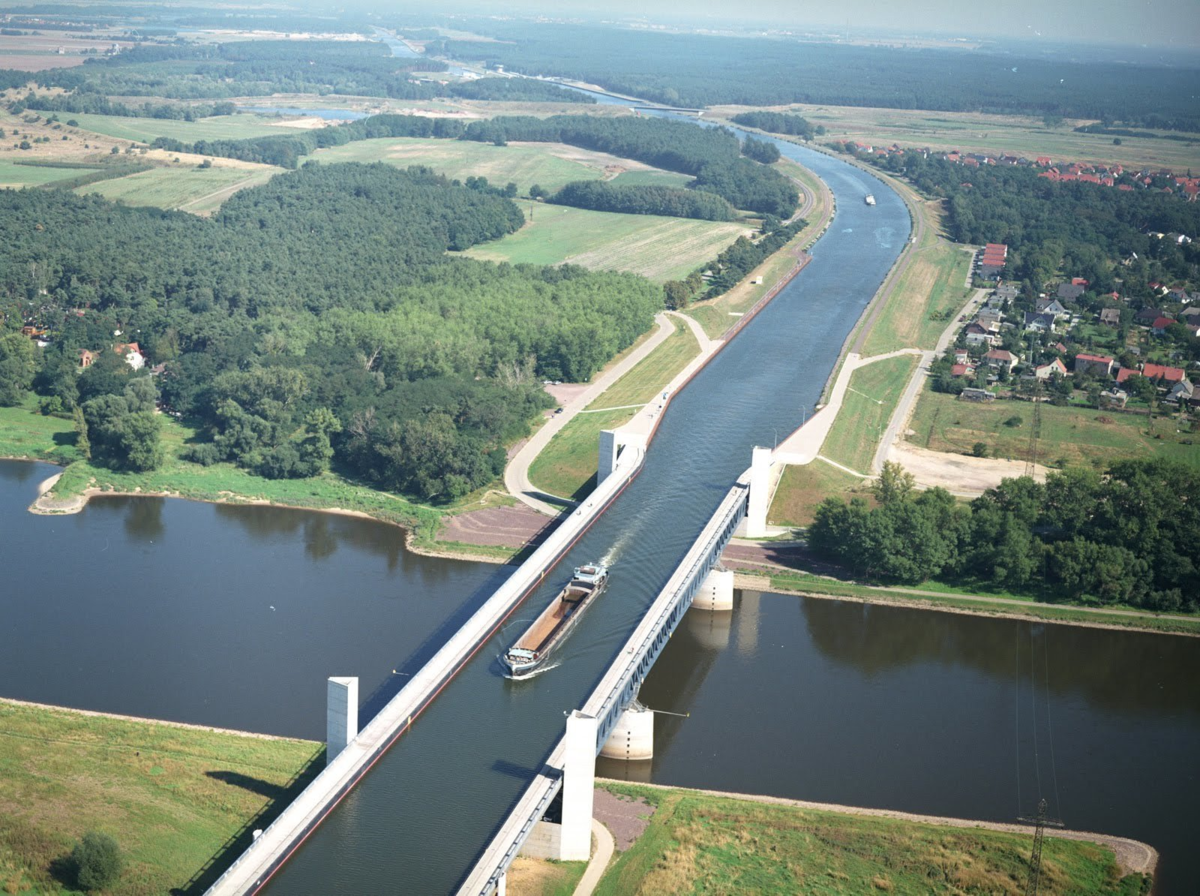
(633, 737)
(579, 781)
(341, 715)
(716, 592)
(610, 448)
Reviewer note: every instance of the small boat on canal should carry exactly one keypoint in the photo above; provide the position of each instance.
(552, 627)
(870, 200)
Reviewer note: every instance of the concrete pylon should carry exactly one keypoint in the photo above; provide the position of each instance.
(716, 591)
(341, 715)
(610, 447)
(633, 737)
(760, 493)
(502, 885)
(579, 781)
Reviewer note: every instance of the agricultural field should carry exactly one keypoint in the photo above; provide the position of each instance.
(197, 190)
(872, 396)
(978, 132)
(144, 130)
(1069, 435)
(701, 843)
(172, 797)
(550, 165)
(14, 175)
(927, 295)
(655, 247)
(651, 178)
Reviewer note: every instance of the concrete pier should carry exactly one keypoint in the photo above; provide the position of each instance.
(761, 487)
(579, 782)
(716, 594)
(633, 738)
(341, 716)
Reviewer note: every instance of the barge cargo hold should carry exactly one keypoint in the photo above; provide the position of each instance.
(556, 621)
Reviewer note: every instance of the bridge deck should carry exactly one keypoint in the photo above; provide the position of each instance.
(277, 843)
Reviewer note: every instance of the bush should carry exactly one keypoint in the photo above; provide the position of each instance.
(1014, 421)
(979, 449)
(96, 860)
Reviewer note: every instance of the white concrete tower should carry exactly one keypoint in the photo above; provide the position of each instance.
(579, 781)
(760, 493)
(341, 715)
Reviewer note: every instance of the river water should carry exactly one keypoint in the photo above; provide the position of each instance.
(234, 617)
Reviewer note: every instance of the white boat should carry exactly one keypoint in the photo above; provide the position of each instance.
(870, 199)
(556, 621)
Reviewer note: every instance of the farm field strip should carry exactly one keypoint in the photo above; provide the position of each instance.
(13, 175)
(198, 190)
(144, 130)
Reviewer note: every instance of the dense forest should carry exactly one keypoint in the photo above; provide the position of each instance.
(1053, 229)
(313, 320)
(701, 70)
(1130, 536)
(779, 123)
(676, 202)
(711, 155)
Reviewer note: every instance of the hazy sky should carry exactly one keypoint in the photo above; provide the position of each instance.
(1170, 22)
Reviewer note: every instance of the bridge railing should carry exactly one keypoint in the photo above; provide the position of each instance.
(616, 689)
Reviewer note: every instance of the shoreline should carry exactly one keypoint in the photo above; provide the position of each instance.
(1133, 856)
(761, 583)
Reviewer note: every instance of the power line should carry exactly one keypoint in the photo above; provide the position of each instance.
(1049, 725)
(1037, 765)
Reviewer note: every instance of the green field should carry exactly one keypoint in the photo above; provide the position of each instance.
(651, 179)
(567, 466)
(874, 391)
(802, 488)
(697, 843)
(550, 165)
(979, 132)
(12, 175)
(655, 247)
(173, 798)
(144, 130)
(1070, 435)
(927, 295)
(192, 189)
(27, 434)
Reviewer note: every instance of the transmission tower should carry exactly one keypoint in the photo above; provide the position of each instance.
(1035, 858)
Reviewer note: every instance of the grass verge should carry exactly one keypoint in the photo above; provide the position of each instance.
(537, 877)
(802, 488)
(698, 843)
(868, 405)
(935, 596)
(173, 798)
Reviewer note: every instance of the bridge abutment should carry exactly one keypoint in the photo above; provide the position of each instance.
(341, 715)
(759, 501)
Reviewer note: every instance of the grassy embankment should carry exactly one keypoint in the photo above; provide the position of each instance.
(866, 409)
(938, 596)
(173, 798)
(1069, 435)
(977, 132)
(567, 465)
(697, 843)
(718, 315)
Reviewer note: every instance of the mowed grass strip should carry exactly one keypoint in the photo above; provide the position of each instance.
(656, 247)
(931, 289)
(802, 488)
(651, 179)
(24, 433)
(170, 796)
(197, 190)
(696, 843)
(872, 396)
(522, 164)
(144, 130)
(13, 175)
(1069, 435)
(567, 465)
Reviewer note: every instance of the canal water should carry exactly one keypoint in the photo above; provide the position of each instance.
(234, 616)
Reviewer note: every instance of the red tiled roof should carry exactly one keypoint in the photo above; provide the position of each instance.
(1098, 359)
(1159, 372)
(1161, 323)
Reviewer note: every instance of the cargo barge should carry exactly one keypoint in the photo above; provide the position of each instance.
(556, 621)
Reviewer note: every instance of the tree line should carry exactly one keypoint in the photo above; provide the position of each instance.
(676, 202)
(314, 320)
(1128, 536)
(779, 123)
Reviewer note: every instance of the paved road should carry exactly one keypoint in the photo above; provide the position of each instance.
(516, 474)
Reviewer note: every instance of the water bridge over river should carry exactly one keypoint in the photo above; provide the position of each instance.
(473, 765)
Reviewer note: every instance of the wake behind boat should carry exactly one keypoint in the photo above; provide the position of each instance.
(556, 621)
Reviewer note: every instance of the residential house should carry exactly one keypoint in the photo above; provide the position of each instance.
(957, 370)
(990, 320)
(1099, 364)
(999, 358)
(1048, 370)
(1039, 323)
(962, 356)
(977, 335)
(1159, 327)
(86, 358)
(1158, 373)
(1110, 317)
(1190, 315)
(1007, 291)
(1147, 316)
(1181, 393)
(1113, 398)
(1045, 305)
(1070, 291)
(132, 354)
(977, 395)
